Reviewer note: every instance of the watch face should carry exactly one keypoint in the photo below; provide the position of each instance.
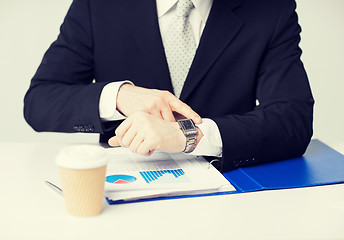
(188, 125)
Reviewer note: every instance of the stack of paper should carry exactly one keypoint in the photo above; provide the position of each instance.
(133, 177)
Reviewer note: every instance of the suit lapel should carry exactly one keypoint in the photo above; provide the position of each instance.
(142, 21)
(221, 28)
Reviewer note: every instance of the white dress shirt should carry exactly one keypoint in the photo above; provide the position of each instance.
(211, 143)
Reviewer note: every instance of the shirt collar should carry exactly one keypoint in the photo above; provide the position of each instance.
(202, 6)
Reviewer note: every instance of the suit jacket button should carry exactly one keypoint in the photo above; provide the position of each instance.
(89, 128)
(81, 128)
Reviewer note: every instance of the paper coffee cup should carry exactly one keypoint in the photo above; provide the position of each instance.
(82, 171)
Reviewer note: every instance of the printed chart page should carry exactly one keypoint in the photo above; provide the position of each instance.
(131, 176)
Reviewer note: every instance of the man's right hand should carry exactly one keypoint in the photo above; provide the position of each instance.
(162, 104)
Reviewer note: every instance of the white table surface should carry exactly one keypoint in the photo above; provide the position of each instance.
(30, 210)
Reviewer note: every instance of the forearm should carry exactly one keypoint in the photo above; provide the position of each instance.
(59, 107)
(272, 132)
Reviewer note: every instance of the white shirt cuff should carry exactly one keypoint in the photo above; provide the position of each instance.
(107, 101)
(211, 142)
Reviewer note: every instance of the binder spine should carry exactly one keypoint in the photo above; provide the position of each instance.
(241, 181)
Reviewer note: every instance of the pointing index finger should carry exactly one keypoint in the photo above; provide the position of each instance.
(183, 109)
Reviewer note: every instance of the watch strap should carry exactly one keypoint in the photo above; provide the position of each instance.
(190, 134)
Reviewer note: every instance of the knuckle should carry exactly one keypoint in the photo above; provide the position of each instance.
(176, 104)
(152, 106)
(132, 148)
(142, 151)
(185, 107)
(125, 142)
(155, 141)
(159, 98)
(165, 94)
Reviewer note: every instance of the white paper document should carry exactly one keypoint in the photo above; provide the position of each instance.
(132, 176)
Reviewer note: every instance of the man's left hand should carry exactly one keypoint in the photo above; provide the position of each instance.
(144, 133)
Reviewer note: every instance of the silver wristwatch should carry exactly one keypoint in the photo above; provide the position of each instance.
(190, 131)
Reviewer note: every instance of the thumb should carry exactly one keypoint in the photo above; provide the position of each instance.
(113, 142)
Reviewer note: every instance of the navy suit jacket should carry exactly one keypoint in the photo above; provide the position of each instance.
(249, 50)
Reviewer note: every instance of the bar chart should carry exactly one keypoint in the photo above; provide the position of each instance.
(164, 176)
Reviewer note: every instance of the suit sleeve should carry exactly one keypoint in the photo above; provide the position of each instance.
(62, 96)
(280, 127)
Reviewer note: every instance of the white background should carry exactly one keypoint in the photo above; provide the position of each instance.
(28, 27)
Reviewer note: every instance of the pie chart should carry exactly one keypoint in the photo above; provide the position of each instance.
(120, 179)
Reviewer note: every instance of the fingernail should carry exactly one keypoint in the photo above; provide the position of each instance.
(113, 141)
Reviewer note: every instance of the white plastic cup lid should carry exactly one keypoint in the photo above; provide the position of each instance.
(82, 157)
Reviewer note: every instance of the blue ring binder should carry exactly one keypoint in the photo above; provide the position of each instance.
(320, 165)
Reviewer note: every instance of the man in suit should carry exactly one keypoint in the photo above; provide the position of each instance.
(112, 71)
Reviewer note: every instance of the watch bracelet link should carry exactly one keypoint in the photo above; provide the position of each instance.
(190, 144)
(189, 129)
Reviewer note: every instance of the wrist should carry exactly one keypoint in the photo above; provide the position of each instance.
(180, 137)
(122, 92)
